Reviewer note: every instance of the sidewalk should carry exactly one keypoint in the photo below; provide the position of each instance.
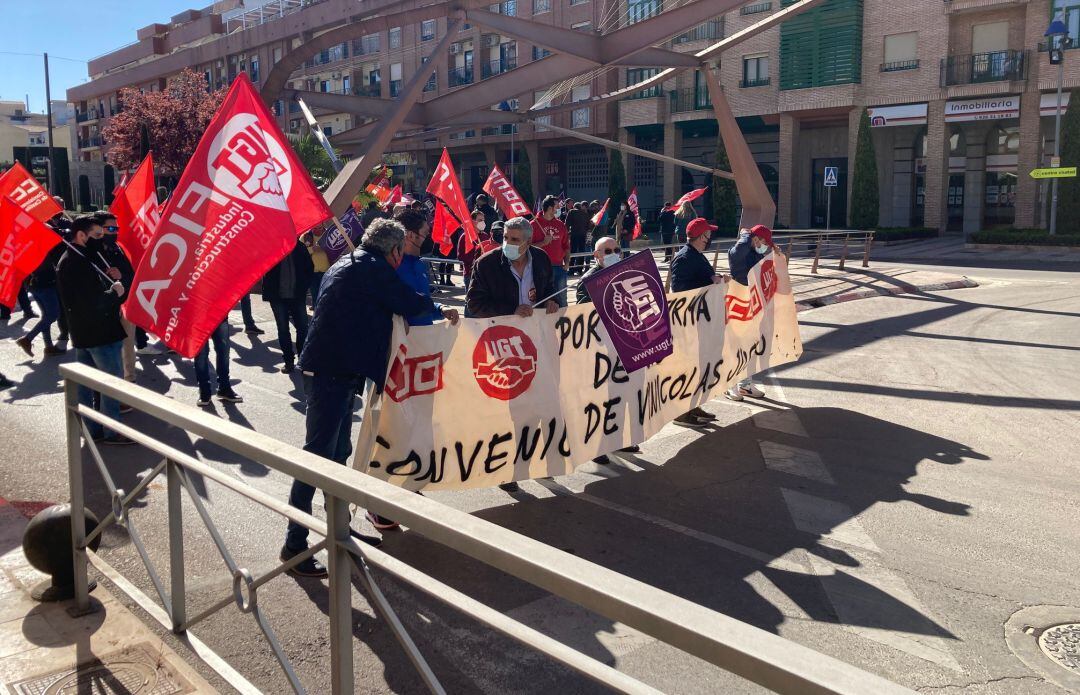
(44, 650)
(832, 286)
(952, 249)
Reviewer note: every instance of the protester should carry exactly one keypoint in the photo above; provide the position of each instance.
(114, 255)
(91, 298)
(491, 215)
(690, 270)
(683, 216)
(349, 342)
(565, 207)
(577, 224)
(285, 287)
(61, 224)
(249, 319)
(667, 229)
(43, 288)
(749, 249)
(25, 305)
(225, 392)
(468, 258)
(551, 235)
(414, 271)
(319, 261)
(370, 214)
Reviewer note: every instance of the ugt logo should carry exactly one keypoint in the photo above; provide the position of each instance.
(413, 376)
(504, 362)
(247, 163)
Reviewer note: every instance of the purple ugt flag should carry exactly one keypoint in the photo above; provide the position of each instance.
(334, 244)
(630, 300)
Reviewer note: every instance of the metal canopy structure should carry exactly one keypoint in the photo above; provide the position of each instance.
(574, 54)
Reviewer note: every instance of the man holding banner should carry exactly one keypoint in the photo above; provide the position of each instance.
(747, 252)
(513, 279)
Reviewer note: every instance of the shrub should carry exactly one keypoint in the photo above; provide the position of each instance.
(901, 233)
(864, 187)
(1023, 237)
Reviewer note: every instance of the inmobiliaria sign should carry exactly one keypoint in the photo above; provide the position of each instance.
(241, 203)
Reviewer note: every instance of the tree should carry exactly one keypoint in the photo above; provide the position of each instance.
(616, 181)
(314, 158)
(523, 176)
(723, 191)
(169, 122)
(864, 186)
(1068, 217)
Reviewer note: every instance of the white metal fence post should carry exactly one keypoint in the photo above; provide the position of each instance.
(340, 570)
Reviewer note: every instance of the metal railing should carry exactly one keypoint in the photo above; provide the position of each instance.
(709, 31)
(754, 82)
(898, 65)
(759, 656)
(456, 77)
(997, 66)
(690, 99)
(497, 67)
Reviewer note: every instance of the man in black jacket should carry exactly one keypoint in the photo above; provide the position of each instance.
(512, 279)
(577, 223)
(285, 287)
(115, 257)
(349, 342)
(667, 229)
(491, 215)
(43, 287)
(90, 292)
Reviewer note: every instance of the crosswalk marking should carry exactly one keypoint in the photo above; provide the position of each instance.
(794, 461)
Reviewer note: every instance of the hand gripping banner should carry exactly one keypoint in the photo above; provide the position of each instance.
(495, 400)
(242, 201)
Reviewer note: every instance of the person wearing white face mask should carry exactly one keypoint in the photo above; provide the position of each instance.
(469, 258)
(747, 252)
(606, 252)
(511, 279)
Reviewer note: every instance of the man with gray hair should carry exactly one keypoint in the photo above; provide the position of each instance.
(511, 279)
(349, 341)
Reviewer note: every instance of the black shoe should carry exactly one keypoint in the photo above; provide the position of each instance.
(373, 541)
(254, 330)
(125, 409)
(308, 568)
(204, 399)
(25, 345)
(62, 338)
(117, 440)
(688, 420)
(632, 449)
(287, 368)
(702, 414)
(602, 459)
(509, 487)
(52, 350)
(227, 395)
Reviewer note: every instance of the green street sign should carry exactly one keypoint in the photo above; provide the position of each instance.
(1056, 173)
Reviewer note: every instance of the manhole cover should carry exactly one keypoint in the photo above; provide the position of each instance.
(136, 670)
(1062, 644)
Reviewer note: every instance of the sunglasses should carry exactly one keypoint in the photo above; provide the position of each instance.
(608, 252)
(112, 228)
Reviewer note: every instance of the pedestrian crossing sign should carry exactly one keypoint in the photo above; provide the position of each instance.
(831, 174)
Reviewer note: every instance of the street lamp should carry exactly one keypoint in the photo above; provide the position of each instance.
(1058, 40)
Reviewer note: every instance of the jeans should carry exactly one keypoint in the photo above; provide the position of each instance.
(220, 338)
(558, 279)
(107, 359)
(286, 310)
(316, 282)
(624, 243)
(49, 301)
(245, 311)
(578, 244)
(666, 238)
(329, 434)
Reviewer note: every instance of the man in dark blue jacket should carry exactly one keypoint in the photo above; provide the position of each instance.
(349, 341)
(748, 250)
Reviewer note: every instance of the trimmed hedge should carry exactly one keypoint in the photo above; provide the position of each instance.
(1024, 237)
(901, 233)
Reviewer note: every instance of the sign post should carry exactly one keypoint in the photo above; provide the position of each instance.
(831, 176)
(1053, 173)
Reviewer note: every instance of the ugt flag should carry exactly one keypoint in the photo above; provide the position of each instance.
(632, 203)
(24, 243)
(27, 193)
(506, 196)
(242, 201)
(444, 186)
(630, 301)
(136, 210)
(334, 244)
(380, 186)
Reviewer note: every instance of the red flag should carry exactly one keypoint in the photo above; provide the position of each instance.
(242, 201)
(692, 195)
(631, 202)
(137, 212)
(395, 196)
(444, 186)
(28, 194)
(599, 216)
(444, 228)
(380, 187)
(24, 243)
(506, 197)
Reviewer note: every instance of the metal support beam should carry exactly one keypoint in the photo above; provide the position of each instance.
(368, 107)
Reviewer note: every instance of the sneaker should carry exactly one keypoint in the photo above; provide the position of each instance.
(150, 350)
(751, 392)
(254, 330)
(632, 449)
(227, 395)
(287, 368)
(702, 414)
(509, 487)
(52, 351)
(62, 338)
(732, 394)
(602, 459)
(381, 522)
(688, 420)
(25, 345)
(204, 399)
(308, 568)
(373, 541)
(117, 440)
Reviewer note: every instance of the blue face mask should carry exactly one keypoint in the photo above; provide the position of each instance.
(511, 251)
(762, 249)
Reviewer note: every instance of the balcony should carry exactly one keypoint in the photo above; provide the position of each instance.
(395, 88)
(757, 8)
(456, 77)
(709, 31)
(960, 6)
(368, 90)
(899, 65)
(497, 67)
(92, 141)
(748, 82)
(685, 100)
(999, 66)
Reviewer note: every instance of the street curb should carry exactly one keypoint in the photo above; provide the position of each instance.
(902, 288)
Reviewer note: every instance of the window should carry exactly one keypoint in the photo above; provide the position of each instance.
(635, 75)
(394, 36)
(755, 8)
(432, 83)
(541, 99)
(427, 30)
(900, 52)
(581, 93)
(539, 52)
(346, 85)
(582, 26)
(328, 130)
(578, 2)
(506, 7)
(637, 10)
(1071, 8)
(366, 45)
(277, 56)
(755, 70)
(580, 118)
(395, 79)
(324, 86)
(254, 70)
(989, 38)
(541, 6)
(542, 121)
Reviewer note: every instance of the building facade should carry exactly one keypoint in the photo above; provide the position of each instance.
(960, 94)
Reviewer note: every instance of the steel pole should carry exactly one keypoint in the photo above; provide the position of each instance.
(1057, 146)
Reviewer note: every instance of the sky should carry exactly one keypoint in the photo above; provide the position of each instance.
(71, 33)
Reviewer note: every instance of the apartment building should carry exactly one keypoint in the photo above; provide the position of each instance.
(960, 95)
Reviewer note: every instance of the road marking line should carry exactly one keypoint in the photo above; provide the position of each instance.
(794, 461)
(827, 519)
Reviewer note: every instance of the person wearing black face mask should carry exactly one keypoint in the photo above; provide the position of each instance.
(414, 271)
(114, 256)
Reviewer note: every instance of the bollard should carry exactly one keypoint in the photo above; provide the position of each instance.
(866, 249)
(843, 252)
(817, 256)
(47, 546)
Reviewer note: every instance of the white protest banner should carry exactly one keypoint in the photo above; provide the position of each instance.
(495, 400)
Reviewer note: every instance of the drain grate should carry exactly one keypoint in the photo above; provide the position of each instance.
(137, 670)
(1062, 644)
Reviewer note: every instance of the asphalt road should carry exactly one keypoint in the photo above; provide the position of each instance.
(908, 486)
